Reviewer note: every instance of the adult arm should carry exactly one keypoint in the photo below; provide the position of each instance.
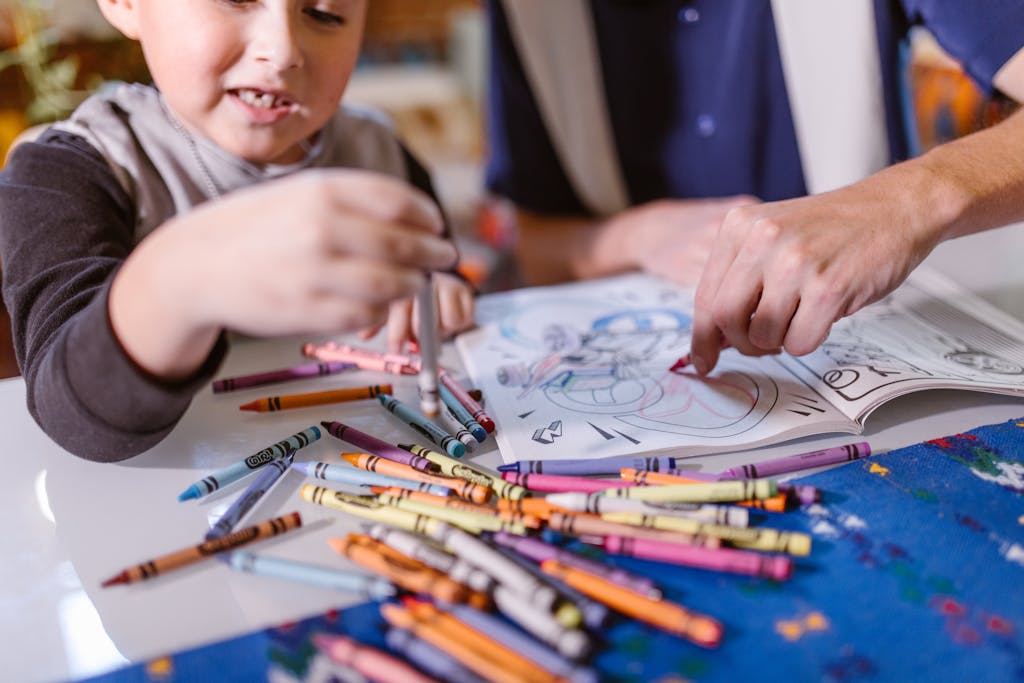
(780, 274)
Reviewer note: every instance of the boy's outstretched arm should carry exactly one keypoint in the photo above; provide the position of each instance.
(317, 252)
(780, 274)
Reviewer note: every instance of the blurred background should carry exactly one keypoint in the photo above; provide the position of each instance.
(424, 63)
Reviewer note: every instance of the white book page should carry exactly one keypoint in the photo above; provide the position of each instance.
(581, 370)
(928, 334)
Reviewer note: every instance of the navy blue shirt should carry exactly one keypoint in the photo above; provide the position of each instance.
(697, 98)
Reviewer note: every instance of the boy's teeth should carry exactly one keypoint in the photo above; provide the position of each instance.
(257, 99)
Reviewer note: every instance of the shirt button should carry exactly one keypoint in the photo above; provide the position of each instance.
(689, 15)
(706, 125)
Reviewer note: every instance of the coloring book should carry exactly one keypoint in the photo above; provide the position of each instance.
(582, 369)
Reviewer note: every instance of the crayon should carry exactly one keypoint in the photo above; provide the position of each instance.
(803, 461)
(527, 520)
(478, 552)
(588, 525)
(236, 471)
(376, 446)
(427, 337)
(353, 476)
(538, 551)
(365, 507)
(421, 548)
(365, 660)
(466, 519)
(373, 587)
(429, 658)
(261, 483)
(479, 663)
(752, 538)
(423, 425)
(518, 641)
(728, 560)
(315, 398)
(570, 642)
(364, 359)
(462, 415)
(591, 466)
(598, 505)
(447, 421)
(801, 493)
(556, 483)
(464, 470)
(284, 375)
(403, 571)
(463, 488)
(686, 360)
(494, 650)
(187, 556)
(470, 404)
(535, 507)
(672, 617)
(710, 492)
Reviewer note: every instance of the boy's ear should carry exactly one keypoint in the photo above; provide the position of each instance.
(122, 16)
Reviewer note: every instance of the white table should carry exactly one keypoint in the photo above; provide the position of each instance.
(69, 524)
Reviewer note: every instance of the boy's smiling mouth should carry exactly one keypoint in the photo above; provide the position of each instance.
(263, 106)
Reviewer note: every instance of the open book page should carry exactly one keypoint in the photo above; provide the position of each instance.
(581, 370)
(928, 334)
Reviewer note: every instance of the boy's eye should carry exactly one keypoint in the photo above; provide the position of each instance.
(323, 17)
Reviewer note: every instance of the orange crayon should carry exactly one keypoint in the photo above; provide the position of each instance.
(537, 507)
(529, 521)
(667, 615)
(187, 556)
(430, 632)
(315, 398)
(462, 488)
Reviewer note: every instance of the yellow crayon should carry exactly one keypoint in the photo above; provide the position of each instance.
(707, 492)
(465, 519)
(752, 538)
(526, 520)
(455, 468)
(367, 508)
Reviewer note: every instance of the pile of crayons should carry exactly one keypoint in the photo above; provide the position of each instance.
(447, 544)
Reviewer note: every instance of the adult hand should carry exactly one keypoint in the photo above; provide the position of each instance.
(780, 274)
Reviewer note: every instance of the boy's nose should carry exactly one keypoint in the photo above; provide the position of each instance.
(275, 42)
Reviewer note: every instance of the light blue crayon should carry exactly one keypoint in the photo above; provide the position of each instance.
(373, 587)
(234, 472)
(581, 466)
(261, 483)
(431, 659)
(521, 643)
(423, 425)
(462, 415)
(345, 474)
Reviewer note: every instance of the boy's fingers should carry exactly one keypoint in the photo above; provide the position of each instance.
(399, 325)
(364, 280)
(385, 198)
(372, 239)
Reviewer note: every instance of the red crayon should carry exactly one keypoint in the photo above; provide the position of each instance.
(474, 408)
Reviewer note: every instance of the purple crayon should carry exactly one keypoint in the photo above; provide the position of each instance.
(284, 375)
(584, 466)
(372, 444)
(795, 463)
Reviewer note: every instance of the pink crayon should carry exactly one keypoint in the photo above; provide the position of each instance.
(558, 483)
(372, 444)
(283, 375)
(372, 663)
(795, 463)
(363, 358)
(474, 408)
(717, 559)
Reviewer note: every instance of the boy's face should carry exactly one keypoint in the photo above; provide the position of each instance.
(258, 77)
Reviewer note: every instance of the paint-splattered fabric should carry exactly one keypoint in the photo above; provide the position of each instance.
(915, 574)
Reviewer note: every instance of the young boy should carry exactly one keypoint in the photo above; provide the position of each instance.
(235, 195)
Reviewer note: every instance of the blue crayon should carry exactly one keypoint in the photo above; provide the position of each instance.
(580, 466)
(431, 659)
(346, 474)
(462, 415)
(259, 486)
(423, 425)
(518, 641)
(373, 587)
(231, 473)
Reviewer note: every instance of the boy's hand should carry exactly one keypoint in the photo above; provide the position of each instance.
(455, 305)
(317, 252)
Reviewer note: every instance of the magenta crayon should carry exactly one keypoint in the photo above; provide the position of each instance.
(474, 408)
(803, 461)
(303, 371)
(555, 483)
(729, 560)
(372, 444)
(370, 662)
